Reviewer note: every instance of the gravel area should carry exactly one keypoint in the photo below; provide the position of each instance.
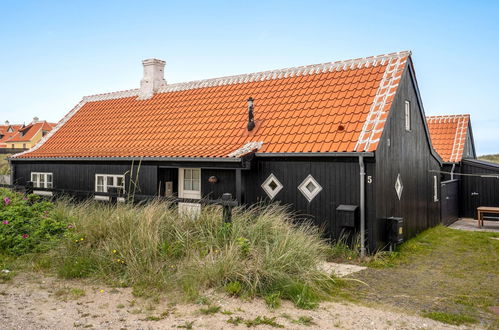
(35, 301)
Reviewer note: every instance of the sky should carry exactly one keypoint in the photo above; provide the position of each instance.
(52, 53)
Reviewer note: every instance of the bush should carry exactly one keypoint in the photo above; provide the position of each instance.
(28, 224)
(261, 253)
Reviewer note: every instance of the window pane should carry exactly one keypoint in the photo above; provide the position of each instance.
(195, 185)
(49, 178)
(100, 188)
(187, 184)
(119, 181)
(109, 181)
(49, 185)
(42, 179)
(187, 174)
(100, 180)
(195, 174)
(34, 178)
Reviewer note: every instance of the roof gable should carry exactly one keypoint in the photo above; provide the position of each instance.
(449, 135)
(331, 107)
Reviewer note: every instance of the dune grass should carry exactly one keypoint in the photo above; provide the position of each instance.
(151, 247)
(4, 164)
(490, 158)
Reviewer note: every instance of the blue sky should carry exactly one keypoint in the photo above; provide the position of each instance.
(54, 52)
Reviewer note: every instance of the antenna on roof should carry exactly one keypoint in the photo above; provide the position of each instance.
(251, 120)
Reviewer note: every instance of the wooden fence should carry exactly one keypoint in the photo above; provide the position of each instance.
(115, 195)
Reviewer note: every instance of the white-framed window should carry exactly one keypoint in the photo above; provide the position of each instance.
(399, 186)
(192, 179)
(189, 183)
(435, 188)
(105, 181)
(42, 179)
(310, 188)
(407, 115)
(272, 186)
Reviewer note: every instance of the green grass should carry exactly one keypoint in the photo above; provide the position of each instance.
(455, 319)
(440, 273)
(490, 158)
(259, 320)
(210, 310)
(152, 248)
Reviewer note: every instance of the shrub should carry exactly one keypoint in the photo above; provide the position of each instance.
(234, 288)
(28, 224)
(260, 253)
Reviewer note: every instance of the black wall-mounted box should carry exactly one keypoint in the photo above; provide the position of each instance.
(395, 230)
(347, 215)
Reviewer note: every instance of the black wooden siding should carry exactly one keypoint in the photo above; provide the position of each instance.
(81, 175)
(476, 190)
(339, 178)
(409, 154)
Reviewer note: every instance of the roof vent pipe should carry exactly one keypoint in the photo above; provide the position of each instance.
(251, 120)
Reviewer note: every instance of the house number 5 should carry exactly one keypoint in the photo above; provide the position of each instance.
(369, 179)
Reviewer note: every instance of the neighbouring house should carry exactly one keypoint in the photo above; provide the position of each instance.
(344, 144)
(23, 137)
(452, 138)
(6, 132)
(467, 183)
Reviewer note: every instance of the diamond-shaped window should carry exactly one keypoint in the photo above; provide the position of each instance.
(399, 187)
(310, 188)
(272, 186)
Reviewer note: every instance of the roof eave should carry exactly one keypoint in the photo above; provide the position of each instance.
(314, 154)
(171, 159)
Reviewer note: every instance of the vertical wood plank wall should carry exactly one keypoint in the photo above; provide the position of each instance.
(407, 153)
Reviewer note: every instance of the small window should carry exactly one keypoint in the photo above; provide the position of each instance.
(435, 188)
(310, 188)
(12, 146)
(272, 186)
(24, 145)
(399, 186)
(407, 115)
(42, 180)
(105, 181)
(192, 179)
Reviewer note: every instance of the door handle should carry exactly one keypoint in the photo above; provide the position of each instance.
(474, 194)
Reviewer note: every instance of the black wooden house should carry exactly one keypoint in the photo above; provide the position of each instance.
(346, 144)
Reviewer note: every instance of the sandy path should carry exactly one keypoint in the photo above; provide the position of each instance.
(34, 301)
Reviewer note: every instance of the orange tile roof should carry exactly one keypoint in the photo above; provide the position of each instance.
(7, 135)
(448, 135)
(331, 107)
(30, 130)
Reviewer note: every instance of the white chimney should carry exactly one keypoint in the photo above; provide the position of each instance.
(7, 123)
(154, 78)
(36, 119)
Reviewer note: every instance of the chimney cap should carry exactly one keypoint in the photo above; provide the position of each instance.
(149, 61)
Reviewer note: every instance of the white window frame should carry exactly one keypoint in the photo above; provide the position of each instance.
(407, 111)
(182, 176)
(399, 186)
(310, 195)
(105, 186)
(435, 188)
(268, 190)
(45, 183)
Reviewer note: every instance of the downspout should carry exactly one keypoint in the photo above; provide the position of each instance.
(362, 206)
(452, 171)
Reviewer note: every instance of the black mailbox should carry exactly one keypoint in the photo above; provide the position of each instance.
(347, 215)
(395, 229)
